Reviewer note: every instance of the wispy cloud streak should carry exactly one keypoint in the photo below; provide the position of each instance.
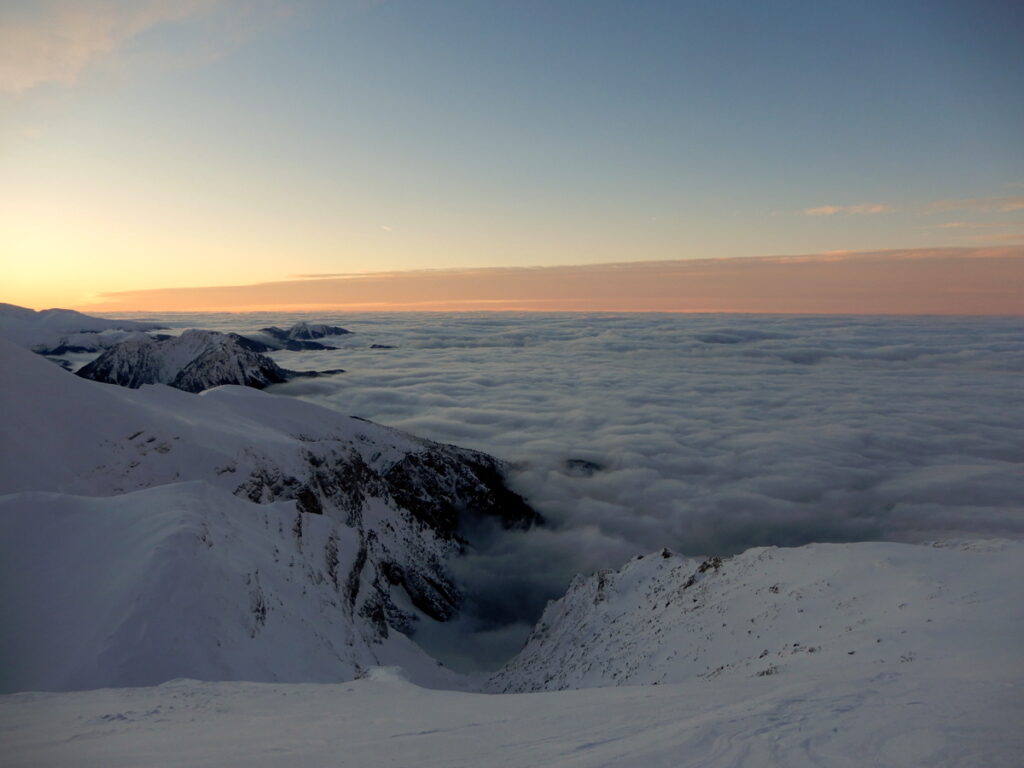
(861, 209)
(55, 41)
(996, 204)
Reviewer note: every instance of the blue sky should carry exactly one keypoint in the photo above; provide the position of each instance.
(211, 141)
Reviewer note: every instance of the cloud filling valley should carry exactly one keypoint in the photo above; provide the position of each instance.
(706, 434)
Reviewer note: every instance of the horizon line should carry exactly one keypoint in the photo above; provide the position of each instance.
(948, 281)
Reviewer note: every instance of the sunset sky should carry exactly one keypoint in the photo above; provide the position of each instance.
(513, 154)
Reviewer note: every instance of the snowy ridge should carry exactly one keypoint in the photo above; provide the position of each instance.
(57, 331)
(856, 609)
(395, 505)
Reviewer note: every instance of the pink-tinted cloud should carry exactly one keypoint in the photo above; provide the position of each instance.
(917, 281)
(861, 209)
(57, 39)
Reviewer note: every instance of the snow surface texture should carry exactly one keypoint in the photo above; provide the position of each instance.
(140, 538)
(917, 661)
(713, 433)
(887, 720)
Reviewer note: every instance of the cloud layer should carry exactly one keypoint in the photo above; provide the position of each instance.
(712, 433)
(56, 41)
(915, 281)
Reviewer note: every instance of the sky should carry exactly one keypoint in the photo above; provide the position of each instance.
(443, 151)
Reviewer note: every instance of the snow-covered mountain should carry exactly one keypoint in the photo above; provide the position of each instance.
(302, 335)
(194, 361)
(150, 533)
(59, 331)
(856, 610)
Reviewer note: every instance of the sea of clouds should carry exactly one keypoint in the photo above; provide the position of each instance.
(710, 433)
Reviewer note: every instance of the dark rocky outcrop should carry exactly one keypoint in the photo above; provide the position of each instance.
(439, 490)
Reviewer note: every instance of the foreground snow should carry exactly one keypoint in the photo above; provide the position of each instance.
(917, 661)
(891, 717)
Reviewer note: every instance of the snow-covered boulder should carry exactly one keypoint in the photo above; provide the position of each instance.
(194, 361)
(259, 527)
(859, 609)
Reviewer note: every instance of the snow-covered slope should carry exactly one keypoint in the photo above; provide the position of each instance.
(182, 580)
(918, 715)
(392, 505)
(56, 331)
(194, 361)
(855, 610)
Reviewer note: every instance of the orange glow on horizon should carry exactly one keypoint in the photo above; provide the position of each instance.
(915, 281)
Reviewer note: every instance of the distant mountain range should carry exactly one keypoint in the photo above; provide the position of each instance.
(60, 331)
(130, 356)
